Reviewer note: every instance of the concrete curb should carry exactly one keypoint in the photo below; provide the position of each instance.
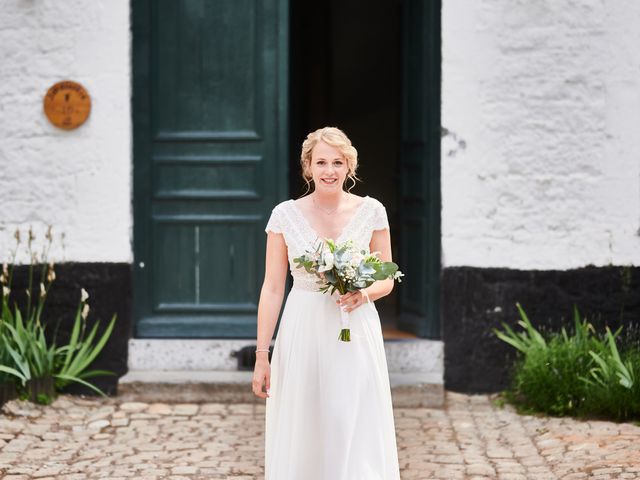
(407, 389)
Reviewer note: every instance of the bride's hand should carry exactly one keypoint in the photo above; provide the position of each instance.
(261, 373)
(351, 300)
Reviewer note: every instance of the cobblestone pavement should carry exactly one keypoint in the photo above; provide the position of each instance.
(471, 438)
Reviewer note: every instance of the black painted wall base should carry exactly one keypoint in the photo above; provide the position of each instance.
(109, 288)
(476, 300)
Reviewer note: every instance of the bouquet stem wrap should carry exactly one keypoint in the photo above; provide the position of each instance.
(345, 332)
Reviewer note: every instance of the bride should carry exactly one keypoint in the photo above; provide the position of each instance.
(329, 412)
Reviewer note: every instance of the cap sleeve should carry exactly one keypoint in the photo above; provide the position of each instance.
(380, 220)
(275, 221)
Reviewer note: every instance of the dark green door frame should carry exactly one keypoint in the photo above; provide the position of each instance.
(420, 199)
(173, 153)
(210, 160)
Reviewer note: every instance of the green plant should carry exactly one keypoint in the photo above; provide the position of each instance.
(613, 386)
(27, 356)
(27, 347)
(581, 373)
(23, 336)
(81, 351)
(524, 341)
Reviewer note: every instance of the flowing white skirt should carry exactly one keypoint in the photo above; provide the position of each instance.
(329, 415)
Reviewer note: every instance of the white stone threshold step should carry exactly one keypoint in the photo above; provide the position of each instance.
(412, 389)
(413, 355)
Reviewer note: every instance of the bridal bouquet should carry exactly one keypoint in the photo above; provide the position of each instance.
(345, 268)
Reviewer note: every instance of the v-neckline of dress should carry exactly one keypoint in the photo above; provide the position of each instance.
(365, 200)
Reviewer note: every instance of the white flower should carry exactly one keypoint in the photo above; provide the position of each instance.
(6, 291)
(51, 274)
(84, 295)
(85, 311)
(43, 291)
(327, 261)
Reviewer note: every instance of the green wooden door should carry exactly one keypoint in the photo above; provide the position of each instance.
(419, 212)
(210, 160)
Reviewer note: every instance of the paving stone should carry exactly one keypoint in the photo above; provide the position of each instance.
(160, 409)
(185, 409)
(133, 406)
(98, 424)
(9, 427)
(22, 408)
(184, 470)
(120, 422)
(480, 469)
(47, 472)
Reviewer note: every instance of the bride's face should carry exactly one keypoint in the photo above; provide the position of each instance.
(328, 168)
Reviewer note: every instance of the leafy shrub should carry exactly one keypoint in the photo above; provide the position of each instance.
(613, 388)
(31, 360)
(582, 374)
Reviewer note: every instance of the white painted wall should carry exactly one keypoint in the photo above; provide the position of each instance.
(541, 169)
(77, 181)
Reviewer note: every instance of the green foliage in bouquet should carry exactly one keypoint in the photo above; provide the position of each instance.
(27, 357)
(335, 266)
(580, 374)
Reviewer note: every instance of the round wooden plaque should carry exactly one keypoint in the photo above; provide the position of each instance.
(67, 105)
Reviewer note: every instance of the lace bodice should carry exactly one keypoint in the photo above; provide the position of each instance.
(287, 219)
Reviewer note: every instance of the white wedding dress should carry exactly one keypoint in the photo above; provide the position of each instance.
(329, 415)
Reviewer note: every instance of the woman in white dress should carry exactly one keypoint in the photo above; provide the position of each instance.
(329, 413)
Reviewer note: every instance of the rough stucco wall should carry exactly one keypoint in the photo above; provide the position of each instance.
(541, 101)
(77, 181)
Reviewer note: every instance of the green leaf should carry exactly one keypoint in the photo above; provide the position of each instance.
(101, 343)
(384, 270)
(600, 361)
(96, 373)
(82, 353)
(14, 372)
(20, 362)
(517, 341)
(83, 382)
(88, 352)
(533, 333)
(73, 340)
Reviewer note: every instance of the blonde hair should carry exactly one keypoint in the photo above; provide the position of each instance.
(336, 138)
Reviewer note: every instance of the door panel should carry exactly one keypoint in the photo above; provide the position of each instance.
(209, 160)
(419, 212)
(208, 54)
